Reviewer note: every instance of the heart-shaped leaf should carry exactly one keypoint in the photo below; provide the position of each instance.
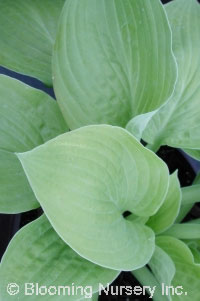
(168, 212)
(28, 118)
(177, 123)
(187, 271)
(37, 257)
(112, 60)
(28, 31)
(86, 179)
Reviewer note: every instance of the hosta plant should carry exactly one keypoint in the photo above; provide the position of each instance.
(124, 72)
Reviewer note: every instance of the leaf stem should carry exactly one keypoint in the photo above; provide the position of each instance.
(190, 196)
(184, 231)
(146, 278)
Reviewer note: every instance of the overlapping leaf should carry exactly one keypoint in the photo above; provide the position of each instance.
(194, 245)
(184, 231)
(37, 255)
(188, 195)
(177, 123)
(173, 266)
(187, 271)
(168, 212)
(95, 297)
(28, 118)
(162, 267)
(112, 60)
(28, 30)
(86, 179)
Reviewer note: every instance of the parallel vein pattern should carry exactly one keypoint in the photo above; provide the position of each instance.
(28, 31)
(178, 122)
(111, 60)
(86, 179)
(38, 255)
(28, 118)
(187, 272)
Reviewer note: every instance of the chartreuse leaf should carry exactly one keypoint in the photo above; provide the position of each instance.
(86, 179)
(194, 244)
(112, 60)
(149, 283)
(38, 256)
(168, 212)
(162, 266)
(177, 123)
(162, 271)
(138, 124)
(138, 219)
(187, 271)
(28, 30)
(28, 118)
(95, 297)
(184, 231)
